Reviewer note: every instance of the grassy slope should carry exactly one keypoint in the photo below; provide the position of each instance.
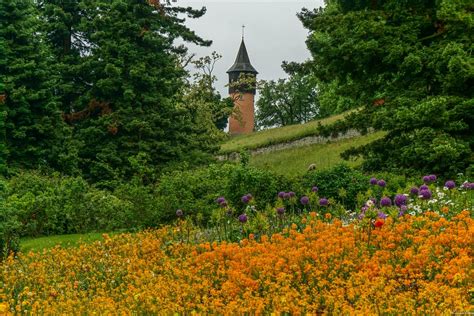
(276, 135)
(295, 161)
(37, 244)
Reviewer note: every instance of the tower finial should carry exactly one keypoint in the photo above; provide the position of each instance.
(243, 30)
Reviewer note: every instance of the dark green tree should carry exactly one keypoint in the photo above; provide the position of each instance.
(35, 133)
(130, 82)
(3, 117)
(410, 64)
(69, 43)
(287, 101)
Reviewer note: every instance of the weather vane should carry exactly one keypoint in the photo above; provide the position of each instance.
(243, 30)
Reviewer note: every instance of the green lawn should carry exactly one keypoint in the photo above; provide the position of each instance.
(38, 244)
(276, 135)
(295, 161)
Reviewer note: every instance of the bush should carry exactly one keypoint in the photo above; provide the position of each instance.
(48, 205)
(341, 183)
(196, 191)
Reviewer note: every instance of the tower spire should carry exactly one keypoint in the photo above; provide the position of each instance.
(243, 31)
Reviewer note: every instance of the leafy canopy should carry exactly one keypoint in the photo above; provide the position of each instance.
(410, 64)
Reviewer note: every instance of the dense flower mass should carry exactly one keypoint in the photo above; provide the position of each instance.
(243, 218)
(412, 265)
(425, 194)
(304, 200)
(450, 184)
(385, 201)
(382, 183)
(400, 199)
(414, 191)
(323, 202)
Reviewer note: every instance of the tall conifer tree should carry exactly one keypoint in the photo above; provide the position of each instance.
(131, 77)
(35, 131)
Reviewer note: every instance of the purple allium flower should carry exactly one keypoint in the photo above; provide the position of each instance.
(470, 186)
(426, 179)
(314, 189)
(403, 208)
(179, 213)
(220, 200)
(304, 200)
(382, 183)
(292, 194)
(245, 199)
(432, 177)
(414, 191)
(280, 210)
(364, 209)
(323, 202)
(286, 195)
(425, 194)
(450, 184)
(243, 218)
(400, 200)
(424, 187)
(401, 213)
(281, 195)
(385, 201)
(373, 181)
(382, 215)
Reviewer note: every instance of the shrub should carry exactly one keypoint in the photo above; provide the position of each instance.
(195, 191)
(47, 205)
(341, 183)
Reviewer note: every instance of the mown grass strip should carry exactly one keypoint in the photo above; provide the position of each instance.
(65, 241)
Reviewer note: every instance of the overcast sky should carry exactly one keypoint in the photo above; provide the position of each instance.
(273, 33)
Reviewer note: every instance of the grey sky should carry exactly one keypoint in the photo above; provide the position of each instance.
(273, 33)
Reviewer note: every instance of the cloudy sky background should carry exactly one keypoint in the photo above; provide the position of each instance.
(273, 33)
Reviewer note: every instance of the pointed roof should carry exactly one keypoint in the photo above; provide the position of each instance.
(242, 62)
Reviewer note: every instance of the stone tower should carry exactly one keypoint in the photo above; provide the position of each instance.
(243, 121)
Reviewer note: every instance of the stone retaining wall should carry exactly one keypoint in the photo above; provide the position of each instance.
(305, 141)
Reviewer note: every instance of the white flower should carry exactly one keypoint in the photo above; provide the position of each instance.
(369, 203)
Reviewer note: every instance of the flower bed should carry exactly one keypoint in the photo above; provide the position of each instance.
(412, 264)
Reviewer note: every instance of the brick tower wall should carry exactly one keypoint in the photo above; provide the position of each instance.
(244, 106)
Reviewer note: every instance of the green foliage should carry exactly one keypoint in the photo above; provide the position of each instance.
(287, 101)
(196, 191)
(133, 105)
(203, 91)
(410, 63)
(59, 205)
(113, 72)
(330, 182)
(9, 225)
(34, 131)
(3, 118)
